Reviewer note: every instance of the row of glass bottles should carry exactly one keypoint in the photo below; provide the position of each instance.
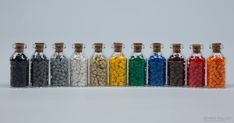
(98, 67)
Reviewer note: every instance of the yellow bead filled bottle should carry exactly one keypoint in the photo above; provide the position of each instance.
(118, 66)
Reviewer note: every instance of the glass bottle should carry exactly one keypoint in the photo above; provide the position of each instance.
(59, 66)
(98, 66)
(19, 62)
(216, 71)
(176, 67)
(196, 68)
(39, 66)
(156, 67)
(118, 66)
(78, 67)
(137, 66)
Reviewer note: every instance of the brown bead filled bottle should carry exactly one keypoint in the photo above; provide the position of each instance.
(176, 67)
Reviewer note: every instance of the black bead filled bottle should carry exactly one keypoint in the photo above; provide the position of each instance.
(19, 65)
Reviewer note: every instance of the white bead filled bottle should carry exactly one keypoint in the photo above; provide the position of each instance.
(78, 67)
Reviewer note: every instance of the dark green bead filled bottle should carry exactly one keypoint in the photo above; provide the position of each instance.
(137, 67)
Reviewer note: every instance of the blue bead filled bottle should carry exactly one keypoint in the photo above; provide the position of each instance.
(156, 67)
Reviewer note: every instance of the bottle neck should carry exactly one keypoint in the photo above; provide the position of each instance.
(58, 53)
(176, 53)
(19, 52)
(98, 53)
(217, 54)
(157, 53)
(196, 54)
(137, 53)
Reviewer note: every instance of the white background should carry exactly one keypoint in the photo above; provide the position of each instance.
(168, 21)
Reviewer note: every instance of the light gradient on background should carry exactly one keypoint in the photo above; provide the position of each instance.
(168, 21)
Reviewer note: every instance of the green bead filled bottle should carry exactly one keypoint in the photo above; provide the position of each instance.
(137, 67)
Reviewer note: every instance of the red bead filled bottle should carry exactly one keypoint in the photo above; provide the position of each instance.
(196, 67)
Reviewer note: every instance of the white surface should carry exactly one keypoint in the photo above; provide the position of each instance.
(116, 105)
(168, 21)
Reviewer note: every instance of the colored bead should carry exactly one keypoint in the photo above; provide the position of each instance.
(216, 71)
(118, 70)
(98, 70)
(137, 70)
(196, 71)
(156, 70)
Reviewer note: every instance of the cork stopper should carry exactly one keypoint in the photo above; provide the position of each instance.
(19, 47)
(98, 47)
(78, 47)
(59, 47)
(176, 47)
(137, 47)
(39, 47)
(157, 47)
(196, 48)
(118, 46)
(216, 47)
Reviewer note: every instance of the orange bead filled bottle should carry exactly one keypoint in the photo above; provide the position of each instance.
(216, 72)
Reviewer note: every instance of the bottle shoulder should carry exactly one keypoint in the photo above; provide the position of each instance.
(176, 57)
(39, 56)
(119, 56)
(98, 56)
(216, 58)
(19, 57)
(157, 57)
(78, 56)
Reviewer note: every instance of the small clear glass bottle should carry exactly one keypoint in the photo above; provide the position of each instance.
(156, 67)
(176, 67)
(118, 66)
(137, 67)
(19, 65)
(216, 67)
(39, 67)
(78, 67)
(59, 66)
(98, 66)
(196, 67)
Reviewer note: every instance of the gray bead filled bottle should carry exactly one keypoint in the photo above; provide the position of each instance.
(59, 66)
(39, 67)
